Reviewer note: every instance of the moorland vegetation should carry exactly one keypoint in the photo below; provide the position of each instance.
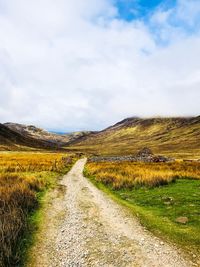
(24, 178)
(164, 196)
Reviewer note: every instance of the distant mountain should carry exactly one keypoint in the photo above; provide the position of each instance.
(172, 136)
(32, 136)
(176, 137)
(13, 140)
(38, 133)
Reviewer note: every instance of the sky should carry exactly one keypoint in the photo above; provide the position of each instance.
(84, 65)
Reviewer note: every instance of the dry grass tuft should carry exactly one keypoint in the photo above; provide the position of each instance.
(31, 162)
(129, 174)
(22, 176)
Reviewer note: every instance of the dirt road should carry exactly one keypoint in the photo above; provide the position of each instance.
(84, 227)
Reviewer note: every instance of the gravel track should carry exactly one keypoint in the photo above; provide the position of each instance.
(84, 227)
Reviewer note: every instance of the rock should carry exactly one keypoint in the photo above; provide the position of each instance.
(167, 203)
(182, 220)
(168, 200)
(145, 152)
(160, 158)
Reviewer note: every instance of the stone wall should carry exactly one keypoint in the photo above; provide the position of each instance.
(144, 155)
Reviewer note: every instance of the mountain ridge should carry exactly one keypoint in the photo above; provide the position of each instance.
(173, 136)
(165, 135)
(14, 135)
(12, 140)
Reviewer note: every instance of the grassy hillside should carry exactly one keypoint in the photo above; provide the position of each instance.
(14, 136)
(177, 137)
(12, 140)
(37, 133)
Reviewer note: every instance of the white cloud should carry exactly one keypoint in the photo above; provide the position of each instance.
(73, 65)
(188, 11)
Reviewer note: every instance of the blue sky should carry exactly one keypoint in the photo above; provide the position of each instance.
(144, 10)
(84, 65)
(134, 9)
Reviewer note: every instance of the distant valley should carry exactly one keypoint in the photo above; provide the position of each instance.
(177, 137)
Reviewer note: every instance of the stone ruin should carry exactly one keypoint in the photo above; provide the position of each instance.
(144, 155)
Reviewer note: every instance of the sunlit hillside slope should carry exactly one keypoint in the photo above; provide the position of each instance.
(178, 137)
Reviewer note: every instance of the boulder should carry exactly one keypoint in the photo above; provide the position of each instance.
(182, 220)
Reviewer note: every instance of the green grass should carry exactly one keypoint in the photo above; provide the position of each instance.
(151, 206)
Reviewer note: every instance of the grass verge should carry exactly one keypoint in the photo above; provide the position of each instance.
(158, 208)
(34, 221)
(25, 178)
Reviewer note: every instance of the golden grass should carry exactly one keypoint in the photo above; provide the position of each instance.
(28, 162)
(129, 174)
(22, 176)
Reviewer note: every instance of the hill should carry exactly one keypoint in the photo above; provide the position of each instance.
(15, 136)
(38, 133)
(177, 137)
(12, 140)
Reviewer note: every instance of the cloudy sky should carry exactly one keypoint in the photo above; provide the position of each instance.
(84, 64)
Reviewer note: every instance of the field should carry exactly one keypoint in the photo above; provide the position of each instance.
(129, 174)
(24, 177)
(164, 196)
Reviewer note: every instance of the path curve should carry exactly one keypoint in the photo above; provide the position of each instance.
(84, 227)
